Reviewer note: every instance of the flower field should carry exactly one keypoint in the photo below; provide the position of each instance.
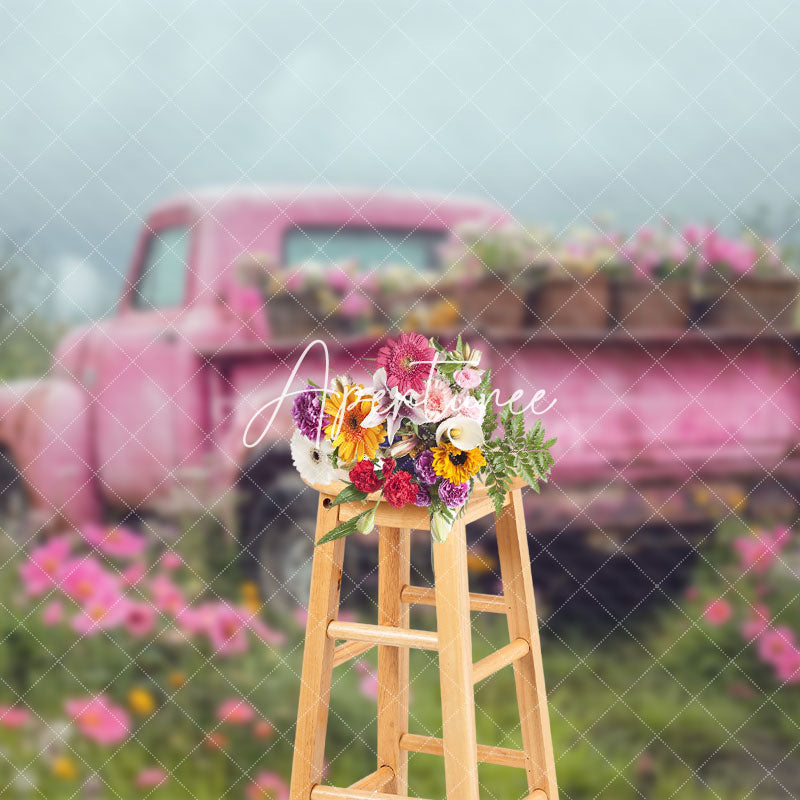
(129, 668)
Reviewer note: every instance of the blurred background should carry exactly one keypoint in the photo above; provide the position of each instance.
(601, 197)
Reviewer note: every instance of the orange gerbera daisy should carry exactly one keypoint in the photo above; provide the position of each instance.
(347, 410)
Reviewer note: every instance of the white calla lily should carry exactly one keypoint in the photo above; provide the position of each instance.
(463, 432)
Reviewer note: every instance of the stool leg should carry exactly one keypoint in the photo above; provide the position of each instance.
(515, 568)
(455, 665)
(394, 572)
(315, 684)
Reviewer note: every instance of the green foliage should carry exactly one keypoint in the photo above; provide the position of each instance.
(522, 453)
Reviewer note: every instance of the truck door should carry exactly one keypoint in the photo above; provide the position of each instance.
(141, 365)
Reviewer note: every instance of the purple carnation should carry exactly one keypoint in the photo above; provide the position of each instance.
(423, 466)
(453, 495)
(306, 413)
(423, 496)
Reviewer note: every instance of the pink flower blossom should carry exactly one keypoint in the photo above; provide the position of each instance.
(267, 786)
(84, 578)
(171, 560)
(776, 644)
(718, 612)
(787, 667)
(368, 681)
(236, 712)
(470, 407)
(436, 403)
(757, 623)
(101, 612)
(44, 564)
(758, 552)
(98, 719)
(228, 631)
(14, 717)
(134, 573)
(117, 541)
(53, 613)
(140, 618)
(167, 597)
(151, 777)
(468, 378)
(408, 361)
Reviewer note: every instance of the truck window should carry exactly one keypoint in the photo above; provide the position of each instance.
(370, 247)
(162, 281)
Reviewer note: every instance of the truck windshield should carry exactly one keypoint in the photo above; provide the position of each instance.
(370, 247)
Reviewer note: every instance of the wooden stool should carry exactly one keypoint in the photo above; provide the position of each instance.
(453, 641)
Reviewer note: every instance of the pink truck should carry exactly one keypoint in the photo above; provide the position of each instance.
(142, 414)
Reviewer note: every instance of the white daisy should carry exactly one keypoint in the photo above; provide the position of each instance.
(312, 462)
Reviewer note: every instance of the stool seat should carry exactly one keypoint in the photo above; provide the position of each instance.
(479, 505)
(452, 641)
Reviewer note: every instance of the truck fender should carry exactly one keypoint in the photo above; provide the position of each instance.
(45, 426)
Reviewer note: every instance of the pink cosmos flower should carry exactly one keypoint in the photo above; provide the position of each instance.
(437, 401)
(468, 378)
(44, 564)
(368, 682)
(408, 362)
(14, 717)
(171, 560)
(759, 551)
(167, 597)
(98, 719)
(134, 573)
(776, 644)
(83, 578)
(118, 542)
(101, 612)
(267, 786)
(757, 623)
(787, 668)
(227, 631)
(53, 613)
(140, 618)
(300, 615)
(151, 777)
(236, 712)
(718, 612)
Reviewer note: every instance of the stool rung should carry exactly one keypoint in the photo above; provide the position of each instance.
(320, 792)
(375, 781)
(537, 795)
(383, 634)
(512, 652)
(487, 754)
(349, 650)
(419, 595)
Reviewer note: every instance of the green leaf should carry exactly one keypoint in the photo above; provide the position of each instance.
(344, 528)
(348, 495)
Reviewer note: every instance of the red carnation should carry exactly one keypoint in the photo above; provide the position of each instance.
(388, 467)
(364, 478)
(399, 490)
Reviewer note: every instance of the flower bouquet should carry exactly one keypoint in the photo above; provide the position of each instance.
(422, 434)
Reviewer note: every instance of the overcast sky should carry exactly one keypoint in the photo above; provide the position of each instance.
(553, 109)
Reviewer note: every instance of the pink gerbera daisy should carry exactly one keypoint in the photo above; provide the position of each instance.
(408, 362)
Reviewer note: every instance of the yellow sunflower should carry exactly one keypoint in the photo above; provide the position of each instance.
(346, 410)
(456, 466)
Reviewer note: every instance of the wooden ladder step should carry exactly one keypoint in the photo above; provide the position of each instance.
(487, 754)
(349, 650)
(537, 795)
(506, 655)
(422, 596)
(383, 634)
(375, 781)
(320, 792)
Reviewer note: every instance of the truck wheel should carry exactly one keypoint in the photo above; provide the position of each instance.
(277, 524)
(14, 505)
